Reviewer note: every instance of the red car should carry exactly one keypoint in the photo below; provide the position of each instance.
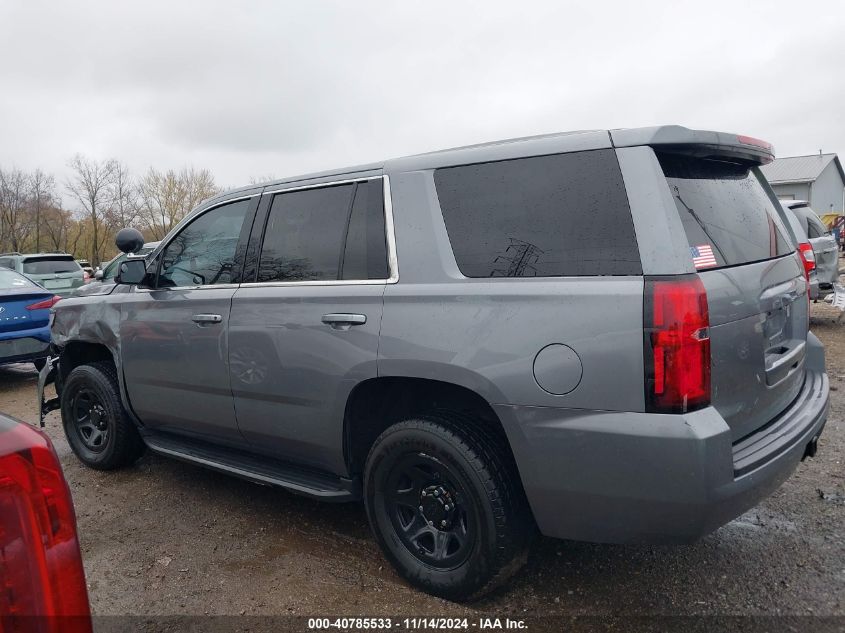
(42, 582)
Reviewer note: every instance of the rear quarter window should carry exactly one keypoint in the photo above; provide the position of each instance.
(725, 210)
(544, 216)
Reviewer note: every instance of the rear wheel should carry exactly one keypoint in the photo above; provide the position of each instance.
(446, 506)
(97, 426)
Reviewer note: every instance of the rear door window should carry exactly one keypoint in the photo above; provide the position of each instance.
(726, 212)
(325, 234)
(544, 216)
(49, 265)
(303, 240)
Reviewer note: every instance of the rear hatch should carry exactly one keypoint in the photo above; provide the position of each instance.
(755, 283)
(59, 273)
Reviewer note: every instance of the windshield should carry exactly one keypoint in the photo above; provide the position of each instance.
(50, 266)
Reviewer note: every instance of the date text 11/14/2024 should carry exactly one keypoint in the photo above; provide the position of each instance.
(415, 624)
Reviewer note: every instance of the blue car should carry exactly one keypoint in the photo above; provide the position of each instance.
(24, 319)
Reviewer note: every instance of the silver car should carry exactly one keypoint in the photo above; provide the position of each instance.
(598, 335)
(825, 250)
(57, 272)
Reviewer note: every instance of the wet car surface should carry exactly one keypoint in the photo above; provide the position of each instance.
(165, 538)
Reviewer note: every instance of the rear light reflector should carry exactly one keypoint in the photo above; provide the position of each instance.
(41, 574)
(44, 305)
(676, 344)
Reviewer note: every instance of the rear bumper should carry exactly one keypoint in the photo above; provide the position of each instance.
(25, 345)
(634, 477)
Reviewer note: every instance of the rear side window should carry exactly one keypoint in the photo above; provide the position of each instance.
(544, 216)
(326, 234)
(7, 262)
(50, 266)
(728, 217)
(365, 253)
(304, 235)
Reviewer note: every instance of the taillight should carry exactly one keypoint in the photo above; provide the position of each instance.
(42, 582)
(677, 344)
(44, 305)
(808, 257)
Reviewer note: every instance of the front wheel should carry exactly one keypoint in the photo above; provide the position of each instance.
(97, 426)
(446, 506)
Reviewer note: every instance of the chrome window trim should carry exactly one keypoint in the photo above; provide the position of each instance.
(392, 259)
(172, 288)
(328, 183)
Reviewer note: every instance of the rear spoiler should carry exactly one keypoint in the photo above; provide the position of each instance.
(700, 143)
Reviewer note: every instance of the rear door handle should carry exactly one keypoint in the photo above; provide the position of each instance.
(341, 319)
(206, 319)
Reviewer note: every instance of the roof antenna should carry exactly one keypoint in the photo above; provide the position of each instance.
(820, 152)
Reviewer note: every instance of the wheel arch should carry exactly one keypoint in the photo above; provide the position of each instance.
(377, 403)
(76, 352)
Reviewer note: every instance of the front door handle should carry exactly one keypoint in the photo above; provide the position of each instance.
(206, 319)
(339, 320)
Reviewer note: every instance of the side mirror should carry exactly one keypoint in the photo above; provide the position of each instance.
(131, 271)
(98, 274)
(129, 240)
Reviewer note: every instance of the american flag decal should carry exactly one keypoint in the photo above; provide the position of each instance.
(702, 256)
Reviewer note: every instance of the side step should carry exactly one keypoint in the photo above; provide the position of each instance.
(256, 468)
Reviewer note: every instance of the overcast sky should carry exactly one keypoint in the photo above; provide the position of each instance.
(279, 88)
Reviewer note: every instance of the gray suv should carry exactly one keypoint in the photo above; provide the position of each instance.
(602, 335)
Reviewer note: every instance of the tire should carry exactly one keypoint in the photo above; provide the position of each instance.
(106, 439)
(462, 479)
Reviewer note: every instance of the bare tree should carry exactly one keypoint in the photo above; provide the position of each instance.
(41, 195)
(57, 225)
(166, 197)
(15, 213)
(123, 205)
(91, 185)
(261, 179)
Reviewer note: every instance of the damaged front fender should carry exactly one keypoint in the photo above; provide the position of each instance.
(81, 327)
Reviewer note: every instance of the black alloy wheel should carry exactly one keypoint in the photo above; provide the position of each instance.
(426, 507)
(90, 420)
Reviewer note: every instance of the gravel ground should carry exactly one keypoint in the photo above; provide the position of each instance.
(167, 538)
